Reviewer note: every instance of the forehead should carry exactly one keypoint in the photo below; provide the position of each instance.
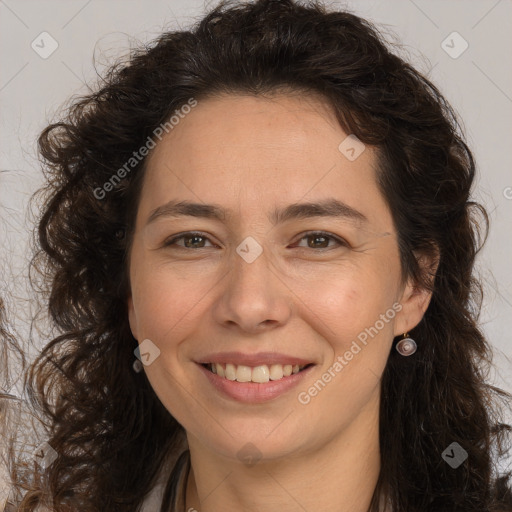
(255, 132)
(247, 150)
(247, 121)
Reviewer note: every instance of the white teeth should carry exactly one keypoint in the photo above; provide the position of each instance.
(276, 372)
(243, 373)
(260, 374)
(220, 370)
(230, 372)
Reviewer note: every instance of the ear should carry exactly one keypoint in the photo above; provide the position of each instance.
(415, 298)
(132, 317)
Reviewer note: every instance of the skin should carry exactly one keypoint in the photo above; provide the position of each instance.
(250, 155)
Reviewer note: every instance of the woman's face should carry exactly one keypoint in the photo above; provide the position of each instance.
(253, 289)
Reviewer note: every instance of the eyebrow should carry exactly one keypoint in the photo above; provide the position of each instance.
(323, 208)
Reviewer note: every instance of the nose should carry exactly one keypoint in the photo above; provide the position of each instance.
(253, 298)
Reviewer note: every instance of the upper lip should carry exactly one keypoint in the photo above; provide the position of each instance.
(258, 359)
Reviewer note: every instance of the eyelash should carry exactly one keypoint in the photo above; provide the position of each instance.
(190, 234)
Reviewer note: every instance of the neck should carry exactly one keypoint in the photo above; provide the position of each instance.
(340, 476)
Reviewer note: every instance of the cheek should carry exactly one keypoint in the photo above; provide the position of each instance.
(355, 320)
(167, 304)
(341, 304)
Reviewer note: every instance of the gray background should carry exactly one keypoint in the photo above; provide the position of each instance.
(478, 83)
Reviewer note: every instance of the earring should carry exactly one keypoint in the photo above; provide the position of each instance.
(406, 346)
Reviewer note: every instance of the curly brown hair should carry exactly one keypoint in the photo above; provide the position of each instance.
(112, 434)
(12, 411)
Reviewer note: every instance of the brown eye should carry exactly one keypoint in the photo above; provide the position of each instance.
(191, 240)
(321, 240)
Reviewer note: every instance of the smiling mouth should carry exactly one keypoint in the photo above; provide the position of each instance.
(257, 374)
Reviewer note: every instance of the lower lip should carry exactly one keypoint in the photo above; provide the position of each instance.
(253, 392)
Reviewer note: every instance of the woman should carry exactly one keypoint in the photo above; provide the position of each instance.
(259, 245)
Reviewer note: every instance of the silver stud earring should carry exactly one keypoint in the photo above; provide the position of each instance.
(406, 346)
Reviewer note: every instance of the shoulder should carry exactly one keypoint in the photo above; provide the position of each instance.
(154, 499)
